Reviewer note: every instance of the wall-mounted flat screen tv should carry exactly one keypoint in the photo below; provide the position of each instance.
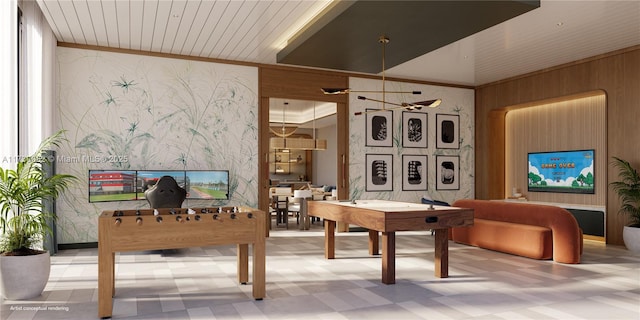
(112, 185)
(123, 185)
(562, 171)
(207, 184)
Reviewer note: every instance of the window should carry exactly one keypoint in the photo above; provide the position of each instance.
(10, 17)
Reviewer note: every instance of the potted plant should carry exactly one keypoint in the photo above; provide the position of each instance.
(628, 190)
(24, 268)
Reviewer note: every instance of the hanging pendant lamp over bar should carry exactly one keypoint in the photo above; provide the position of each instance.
(298, 143)
(283, 131)
(285, 141)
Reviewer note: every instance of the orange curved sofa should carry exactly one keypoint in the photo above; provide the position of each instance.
(529, 230)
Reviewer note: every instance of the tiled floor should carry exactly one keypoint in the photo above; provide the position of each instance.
(200, 283)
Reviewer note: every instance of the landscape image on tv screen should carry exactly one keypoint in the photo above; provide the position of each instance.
(561, 171)
(111, 185)
(147, 179)
(207, 185)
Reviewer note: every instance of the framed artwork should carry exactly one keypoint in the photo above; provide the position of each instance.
(379, 172)
(379, 128)
(414, 172)
(447, 173)
(414, 129)
(447, 131)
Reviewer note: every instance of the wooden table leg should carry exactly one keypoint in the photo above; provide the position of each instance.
(106, 271)
(388, 257)
(441, 244)
(243, 263)
(259, 268)
(329, 239)
(342, 227)
(113, 274)
(374, 242)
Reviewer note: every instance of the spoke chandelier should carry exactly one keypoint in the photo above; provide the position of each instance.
(403, 105)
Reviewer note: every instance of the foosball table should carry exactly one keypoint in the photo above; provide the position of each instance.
(157, 229)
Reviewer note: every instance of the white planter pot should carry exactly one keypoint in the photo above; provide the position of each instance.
(24, 277)
(631, 237)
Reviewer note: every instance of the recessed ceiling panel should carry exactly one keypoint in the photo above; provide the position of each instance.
(346, 36)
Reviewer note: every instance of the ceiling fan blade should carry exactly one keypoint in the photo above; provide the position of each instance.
(335, 90)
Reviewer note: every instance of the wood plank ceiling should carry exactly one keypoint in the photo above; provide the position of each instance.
(558, 32)
(251, 31)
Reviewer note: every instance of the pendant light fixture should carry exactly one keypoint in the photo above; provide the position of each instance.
(284, 131)
(285, 141)
(403, 105)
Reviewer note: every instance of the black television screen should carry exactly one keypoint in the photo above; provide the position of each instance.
(561, 171)
(207, 184)
(112, 185)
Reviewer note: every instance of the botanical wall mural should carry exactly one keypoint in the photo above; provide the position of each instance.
(137, 112)
(406, 132)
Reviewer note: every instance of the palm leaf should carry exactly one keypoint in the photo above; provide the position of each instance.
(628, 190)
(23, 219)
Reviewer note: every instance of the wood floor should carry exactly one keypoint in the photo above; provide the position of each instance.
(200, 283)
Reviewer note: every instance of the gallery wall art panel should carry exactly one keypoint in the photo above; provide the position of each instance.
(379, 128)
(447, 173)
(447, 131)
(414, 129)
(414, 172)
(379, 172)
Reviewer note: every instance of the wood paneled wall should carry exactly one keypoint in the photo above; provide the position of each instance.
(574, 123)
(616, 73)
(301, 84)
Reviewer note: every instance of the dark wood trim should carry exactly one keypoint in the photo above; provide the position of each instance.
(154, 54)
(301, 84)
(285, 68)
